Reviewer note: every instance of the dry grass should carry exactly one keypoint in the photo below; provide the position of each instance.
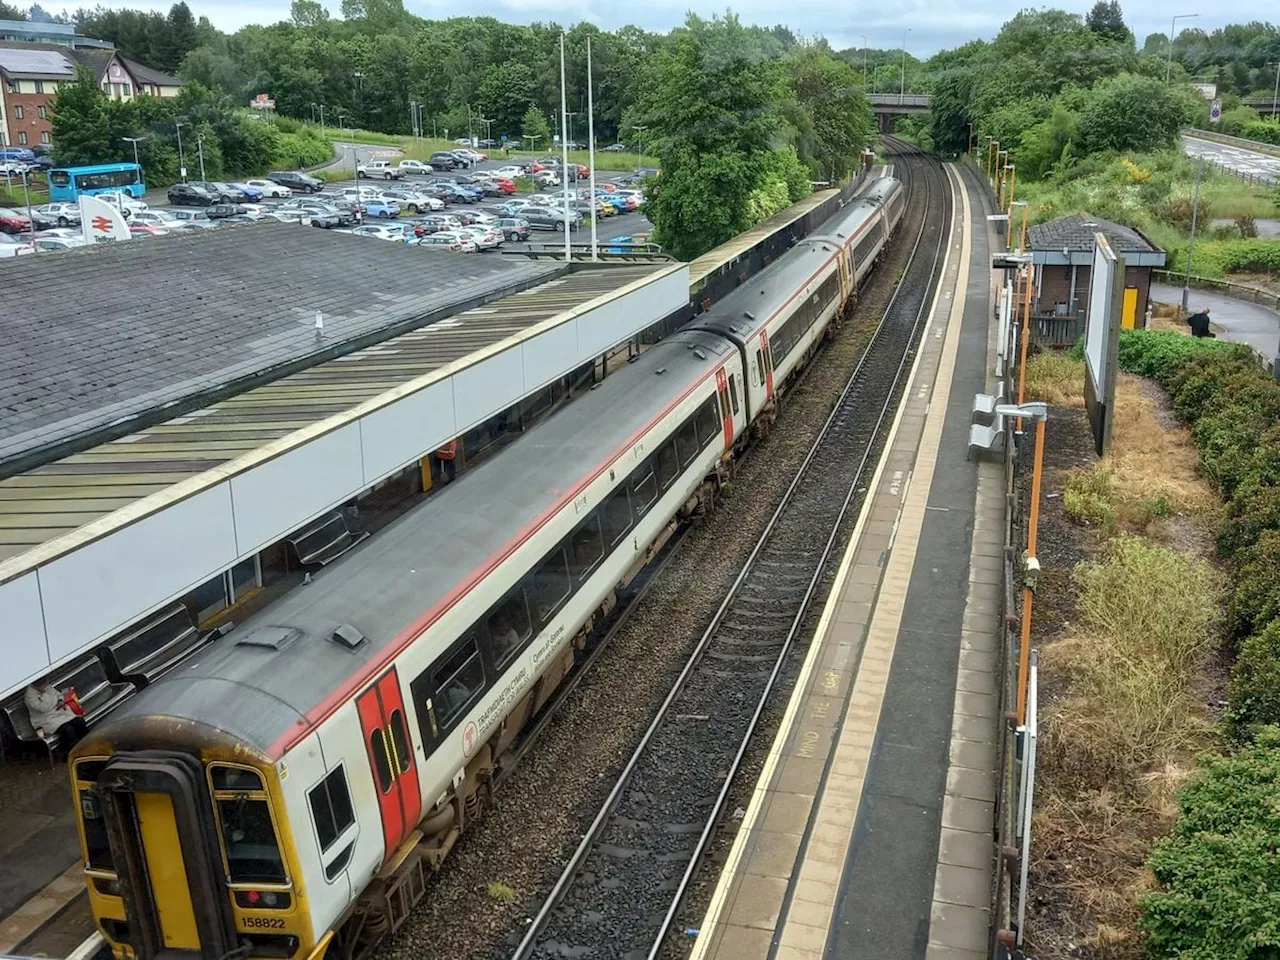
(1123, 715)
(1054, 377)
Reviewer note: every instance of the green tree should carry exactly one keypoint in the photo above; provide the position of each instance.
(505, 95)
(80, 126)
(8, 12)
(534, 129)
(1129, 112)
(834, 122)
(308, 13)
(1107, 20)
(180, 36)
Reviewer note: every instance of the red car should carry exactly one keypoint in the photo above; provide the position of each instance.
(147, 230)
(13, 222)
(535, 167)
(505, 185)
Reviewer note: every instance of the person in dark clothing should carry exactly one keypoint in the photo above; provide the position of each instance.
(1199, 323)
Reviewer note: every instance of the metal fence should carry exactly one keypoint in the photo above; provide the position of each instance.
(1056, 330)
(1240, 291)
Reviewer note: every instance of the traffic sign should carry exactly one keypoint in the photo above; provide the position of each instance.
(1215, 111)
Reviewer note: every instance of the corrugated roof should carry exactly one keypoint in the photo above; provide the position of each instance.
(120, 333)
(1075, 232)
(727, 252)
(59, 497)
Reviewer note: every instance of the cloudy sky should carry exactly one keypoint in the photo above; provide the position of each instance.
(933, 25)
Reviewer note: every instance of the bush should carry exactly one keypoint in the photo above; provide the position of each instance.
(1160, 354)
(1256, 601)
(1219, 872)
(1087, 499)
(1177, 212)
(1255, 682)
(304, 149)
(1254, 508)
(1264, 131)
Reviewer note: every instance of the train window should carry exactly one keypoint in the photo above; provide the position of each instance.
(585, 548)
(381, 762)
(646, 491)
(709, 426)
(235, 778)
(688, 442)
(616, 516)
(331, 808)
(253, 856)
(760, 364)
(400, 741)
(733, 393)
(457, 682)
(668, 463)
(508, 627)
(339, 863)
(95, 833)
(548, 586)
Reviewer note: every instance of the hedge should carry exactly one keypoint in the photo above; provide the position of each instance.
(1219, 869)
(1263, 131)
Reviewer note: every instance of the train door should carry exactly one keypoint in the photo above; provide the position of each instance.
(395, 775)
(726, 414)
(766, 359)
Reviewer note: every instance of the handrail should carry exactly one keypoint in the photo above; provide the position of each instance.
(1257, 146)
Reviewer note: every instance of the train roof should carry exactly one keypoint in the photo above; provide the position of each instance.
(423, 561)
(750, 306)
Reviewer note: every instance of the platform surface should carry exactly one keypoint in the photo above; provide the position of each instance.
(869, 833)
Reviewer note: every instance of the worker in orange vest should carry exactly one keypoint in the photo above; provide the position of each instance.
(447, 457)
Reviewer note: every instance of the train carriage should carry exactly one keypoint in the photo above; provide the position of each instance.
(342, 739)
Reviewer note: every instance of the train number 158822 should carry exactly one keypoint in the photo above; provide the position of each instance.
(271, 923)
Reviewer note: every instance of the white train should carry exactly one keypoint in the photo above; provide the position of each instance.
(286, 791)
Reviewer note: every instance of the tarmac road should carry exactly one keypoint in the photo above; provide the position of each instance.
(1261, 165)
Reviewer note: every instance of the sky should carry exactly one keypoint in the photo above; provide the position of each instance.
(934, 25)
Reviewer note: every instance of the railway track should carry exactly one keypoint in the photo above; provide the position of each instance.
(624, 884)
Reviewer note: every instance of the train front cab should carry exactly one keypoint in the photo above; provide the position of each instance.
(186, 860)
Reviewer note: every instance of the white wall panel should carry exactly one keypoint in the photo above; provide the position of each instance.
(481, 391)
(23, 650)
(550, 355)
(276, 497)
(110, 582)
(404, 430)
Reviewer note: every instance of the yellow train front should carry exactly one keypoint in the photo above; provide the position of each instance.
(187, 849)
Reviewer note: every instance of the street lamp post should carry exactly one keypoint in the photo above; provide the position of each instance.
(137, 163)
(182, 160)
(488, 127)
(902, 93)
(1275, 93)
(865, 55)
(1191, 243)
(200, 149)
(1173, 31)
(322, 121)
(313, 111)
(640, 145)
(359, 78)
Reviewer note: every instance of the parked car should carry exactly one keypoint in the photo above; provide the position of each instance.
(15, 168)
(443, 241)
(486, 142)
(465, 157)
(514, 228)
(192, 218)
(441, 160)
(126, 204)
(458, 193)
(221, 211)
(549, 218)
(59, 214)
(546, 178)
(417, 168)
(9, 247)
(297, 182)
(189, 195)
(475, 155)
(413, 201)
(267, 188)
(384, 208)
(379, 231)
(510, 171)
(464, 141)
(485, 238)
(54, 244)
(222, 192)
(380, 169)
(157, 218)
(11, 221)
(251, 193)
(147, 230)
(615, 148)
(436, 222)
(465, 243)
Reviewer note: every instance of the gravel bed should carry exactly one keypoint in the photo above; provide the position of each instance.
(482, 899)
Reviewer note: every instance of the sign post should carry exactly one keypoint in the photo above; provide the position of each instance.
(1215, 111)
(1102, 339)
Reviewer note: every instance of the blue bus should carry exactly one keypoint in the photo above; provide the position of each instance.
(68, 184)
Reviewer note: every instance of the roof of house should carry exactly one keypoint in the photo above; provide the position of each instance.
(144, 74)
(94, 60)
(1075, 232)
(38, 61)
(127, 334)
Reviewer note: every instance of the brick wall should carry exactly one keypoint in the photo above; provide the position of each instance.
(1055, 287)
(31, 124)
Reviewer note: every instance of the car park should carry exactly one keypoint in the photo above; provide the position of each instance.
(548, 218)
(251, 193)
(267, 188)
(10, 247)
(379, 169)
(384, 208)
(297, 182)
(319, 213)
(189, 195)
(513, 228)
(416, 168)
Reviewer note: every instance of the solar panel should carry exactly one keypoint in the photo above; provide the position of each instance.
(47, 62)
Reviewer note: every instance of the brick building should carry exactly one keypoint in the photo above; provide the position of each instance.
(1062, 251)
(30, 74)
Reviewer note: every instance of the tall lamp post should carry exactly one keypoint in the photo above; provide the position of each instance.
(200, 149)
(640, 129)
(134, 141)
(488, 126)
(359, 78)
(865, 55)
(1275, 93)
(182, 160)
(1173, 32)
(902, 92)
(322, 121)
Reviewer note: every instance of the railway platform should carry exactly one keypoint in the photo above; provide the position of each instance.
(869, 831)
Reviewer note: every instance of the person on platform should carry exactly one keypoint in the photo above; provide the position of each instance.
(52, 711)
(1199, 323)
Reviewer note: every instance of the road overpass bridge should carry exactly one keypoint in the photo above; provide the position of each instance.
(889, 106)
